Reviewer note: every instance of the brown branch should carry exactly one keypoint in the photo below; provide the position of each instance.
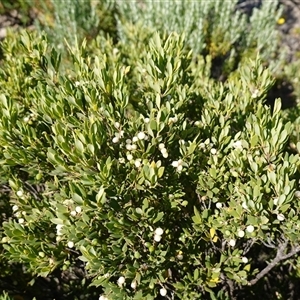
(279, 257)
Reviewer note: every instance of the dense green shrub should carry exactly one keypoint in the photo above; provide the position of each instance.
(137, 173)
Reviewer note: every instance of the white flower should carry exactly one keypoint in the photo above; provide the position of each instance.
(202, 145)
(102, 297)
(115, 139)
(178, 165)
(255, 94)
(115, 52)
(133, 284)
(25, 119)
(141, 135)
(179, 256)
(157, 238)
(137, 163)
(237, 145)
(128, 147)
(121, 133)
(165, 155)
(121, 160)
(297, 194)
(133, 147)
(163, 150)
(5, 239)
(175, 163)
(179, 168)
(117, 125)
(241, 233)
(19, 193)
(121, 281)
(159, 231)
(250, 228)
(161, 146)
(244, 205)
(146, 120)
(51, 235)
(59, 228)
(21, 220)
(135, 139)
(128, 141)
(73, 213)
(78, 209)
(173, 120)
(213, 151)
(70, 244)
(197, 123)
(15, 207)
(77, 83)
(129, 157)
(280, 217)
(232, 243)
(218, 205)
(244, 260)
(163, 292)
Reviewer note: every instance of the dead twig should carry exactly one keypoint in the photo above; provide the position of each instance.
(280, 256)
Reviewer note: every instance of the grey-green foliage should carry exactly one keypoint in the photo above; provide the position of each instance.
(136, 139)
(215, 27)
(72, 20)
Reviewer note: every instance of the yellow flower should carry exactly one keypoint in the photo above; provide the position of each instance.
(281, 21)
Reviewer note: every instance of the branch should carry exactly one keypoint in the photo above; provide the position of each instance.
(279, 257)
(249, 245)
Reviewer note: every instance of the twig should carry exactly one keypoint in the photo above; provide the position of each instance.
(279, 257)
(248, 246)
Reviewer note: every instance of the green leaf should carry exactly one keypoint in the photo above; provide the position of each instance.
(272, 177)
(138, 295)
(196, 218)
(213, 172)
(79, 146)
(153, 125)
(158, 217)
(160, 172)
(57, 221)
(77, 199)
(247, 267)
(196, 274)
(158, 100)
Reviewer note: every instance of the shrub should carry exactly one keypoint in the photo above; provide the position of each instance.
(138, 174)
(81, 18)
(216, 28)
